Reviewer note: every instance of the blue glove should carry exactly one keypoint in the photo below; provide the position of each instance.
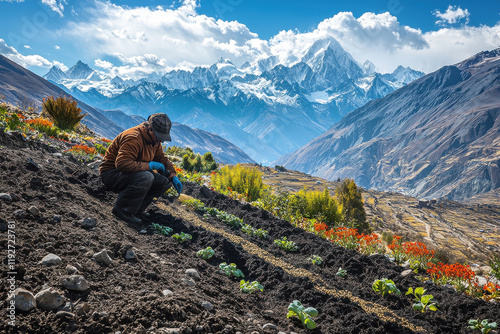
(177, 184)
(158, 166)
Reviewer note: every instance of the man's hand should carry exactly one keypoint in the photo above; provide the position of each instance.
(177, 184)
(158, 166)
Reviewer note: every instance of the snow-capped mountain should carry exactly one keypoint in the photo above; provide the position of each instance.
(268, 108)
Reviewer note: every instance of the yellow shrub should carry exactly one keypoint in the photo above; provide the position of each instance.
(243, 180)
(63, 111)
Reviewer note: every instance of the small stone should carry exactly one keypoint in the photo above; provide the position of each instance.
(34, 211)
(103, 257)
(406, 272)
(130, 254)
(167, 292)
(14, 197)
(268, 312)
(51, 259)
(5, 197)
(49, 299)
(270, 326)
(65, 315)
(82, 308)
(74, 282)
(200, 329)
(23, 299)
(188, 282)
(21, 214)
(56, 219)
(193, 273)
(88, 222)
(143, 231)
(71, 270)
(32, 165)
(429, 282)
(58, 155)
(68, 307)
(207, 306)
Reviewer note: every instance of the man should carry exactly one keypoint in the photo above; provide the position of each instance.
(129, 163)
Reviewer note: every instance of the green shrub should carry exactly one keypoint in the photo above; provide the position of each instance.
(243, 180)
(353, 212)
(63, 111)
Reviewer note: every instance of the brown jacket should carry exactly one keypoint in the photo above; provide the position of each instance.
(132, 150)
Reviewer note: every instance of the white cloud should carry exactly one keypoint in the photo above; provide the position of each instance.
(27, 47)
(57, 47)
(452, 15)
(103, 64)
(56, 5)
(60, 65)
(25, 61)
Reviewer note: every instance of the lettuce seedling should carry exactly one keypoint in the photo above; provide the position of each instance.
(296, 309)
(183, 237)
(483, 326)
(247, 228)
(260, 233)
(341, 272)
(249, 287)
(160, 229)
(385, 286)
(316, 260)
(206, 253)
(289, 246)
(422, 302)
(231, 270)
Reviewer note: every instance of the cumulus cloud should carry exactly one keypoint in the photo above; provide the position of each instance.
(25, 61)
(452, 15)
(27, 47)
(56, 5)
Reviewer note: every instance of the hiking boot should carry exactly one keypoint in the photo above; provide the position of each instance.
(126, 216)
(144, 216)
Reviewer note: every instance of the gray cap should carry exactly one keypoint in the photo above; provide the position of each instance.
(161, 124)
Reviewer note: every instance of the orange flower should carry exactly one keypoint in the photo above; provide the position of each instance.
(40, 122)
(83, 149)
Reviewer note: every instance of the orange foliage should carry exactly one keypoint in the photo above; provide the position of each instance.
(40, 122)
(83, 149)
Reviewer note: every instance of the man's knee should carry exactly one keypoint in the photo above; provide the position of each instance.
(144, 179)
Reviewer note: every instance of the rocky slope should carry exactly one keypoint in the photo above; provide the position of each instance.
(436, 137)
(131, 280)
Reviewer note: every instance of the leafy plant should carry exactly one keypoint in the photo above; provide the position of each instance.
(63, 111)
(422, 302)
(249, 287)
(248, 229)
(260, 233)
(165, 230)
(287, 245)
(385, 286)
(316, 260)
(231, 270)
(243, 180)
(183, 237)
(341, 272)
(225, 217)
(296, 309)
(194, 204)
(483, 326)
(206, 253)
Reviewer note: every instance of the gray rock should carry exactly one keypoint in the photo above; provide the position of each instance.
(270, 326)
(167, 292)
(32, 165)
(21, 214)
(207, 306)
(74, 282)
(51, 259)
(406, 272)
(188, 282)
(58, 155)
(56, 219)
(168, 331)
(14, 197)
(193, 273)
(103, 257)
(34, 211)
(68, 307)
(82, 308)
(130, 254)
(65, 315)
(88, 222)
(49, 299)
(23, 299)
(5, 197)
(71, 270)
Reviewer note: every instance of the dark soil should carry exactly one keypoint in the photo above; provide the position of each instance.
(127, 295)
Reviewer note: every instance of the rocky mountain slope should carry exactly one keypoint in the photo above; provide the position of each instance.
(92, 273)
(18, 84)
(436, 137)
(267, 108)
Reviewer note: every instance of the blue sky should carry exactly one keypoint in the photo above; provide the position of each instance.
(134, 38)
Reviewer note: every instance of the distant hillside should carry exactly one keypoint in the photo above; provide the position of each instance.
(436, 137)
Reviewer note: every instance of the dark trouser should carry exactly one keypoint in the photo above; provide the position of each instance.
(137, 190)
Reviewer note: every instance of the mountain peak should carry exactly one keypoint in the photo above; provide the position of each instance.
(54, 74)
(79, 71)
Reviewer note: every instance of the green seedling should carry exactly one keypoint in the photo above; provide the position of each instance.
(288, 246)
(231, 270)
(422, 302)
(194, 204)
(483, 326)
(341, 272)
(206, 253)
(249, 287)
(296, 309)
(316, 260)
(183, 237)
(260, 233)
(225, 217)
(160, 229)
(385, 286)
(247, 228)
